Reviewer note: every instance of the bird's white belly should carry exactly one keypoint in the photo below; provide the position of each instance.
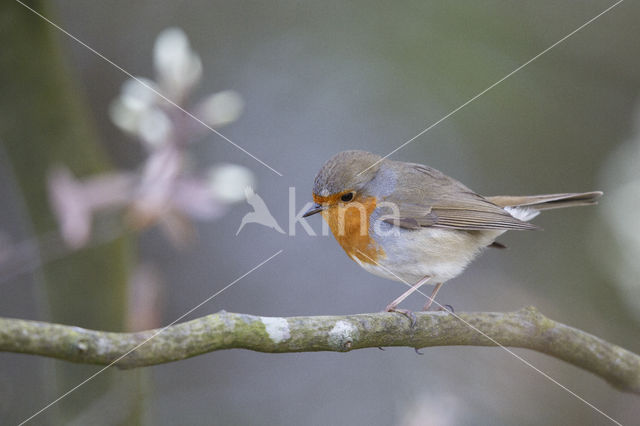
(410, 255)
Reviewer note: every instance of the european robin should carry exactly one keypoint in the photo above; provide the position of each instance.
(412, 223)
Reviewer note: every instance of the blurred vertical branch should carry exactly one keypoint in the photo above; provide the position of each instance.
(43, 122)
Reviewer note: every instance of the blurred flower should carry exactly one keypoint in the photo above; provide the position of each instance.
(136, 112)
(220, 108)
(163, 191)
(74, 201)
(178, 68)
(155, 186)
(195, 198)
(141, 111)
(620, 177)
(228, 181)
(70, 208)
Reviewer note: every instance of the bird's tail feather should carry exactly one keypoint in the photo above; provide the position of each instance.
(547, 201)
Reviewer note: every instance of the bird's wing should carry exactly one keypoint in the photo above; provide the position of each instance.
(426, 197)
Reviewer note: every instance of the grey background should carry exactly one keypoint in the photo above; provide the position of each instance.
(320, 77)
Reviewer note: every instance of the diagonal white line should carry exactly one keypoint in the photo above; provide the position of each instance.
(147, 340)
(425, 130)
(100, 55)
(498, 344)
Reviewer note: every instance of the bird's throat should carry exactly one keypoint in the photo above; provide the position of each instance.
(350, 225)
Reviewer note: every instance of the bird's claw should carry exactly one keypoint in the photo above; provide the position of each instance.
(407, 313)
(447, 308)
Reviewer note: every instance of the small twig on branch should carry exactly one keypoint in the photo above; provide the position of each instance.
(526, 328)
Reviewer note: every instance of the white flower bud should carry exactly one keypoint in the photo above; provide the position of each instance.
(220, 108)
(228, 182)
(136, 99)
(178, 67)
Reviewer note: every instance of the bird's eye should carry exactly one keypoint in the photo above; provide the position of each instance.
(347, 197)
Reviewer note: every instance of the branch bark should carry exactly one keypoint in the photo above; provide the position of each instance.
(526, 328)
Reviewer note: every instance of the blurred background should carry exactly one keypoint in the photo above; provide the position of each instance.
(296, 83)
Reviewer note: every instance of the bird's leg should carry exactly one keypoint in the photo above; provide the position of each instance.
(432, 297)
(393, 306)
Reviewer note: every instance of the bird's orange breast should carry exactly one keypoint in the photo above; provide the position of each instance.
(349, 223)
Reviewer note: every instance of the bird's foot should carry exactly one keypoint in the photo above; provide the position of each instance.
(427, 307)
(407, 313)
(446, 308)
(449, 308)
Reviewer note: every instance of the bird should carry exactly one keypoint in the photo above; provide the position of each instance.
(260, 214)
(411, 223)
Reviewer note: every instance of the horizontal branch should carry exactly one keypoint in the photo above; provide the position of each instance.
(526, 328)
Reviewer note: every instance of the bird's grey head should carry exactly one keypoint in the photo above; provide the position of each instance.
(346, 171)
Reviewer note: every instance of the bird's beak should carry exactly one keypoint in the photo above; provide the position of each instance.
(316, 208)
